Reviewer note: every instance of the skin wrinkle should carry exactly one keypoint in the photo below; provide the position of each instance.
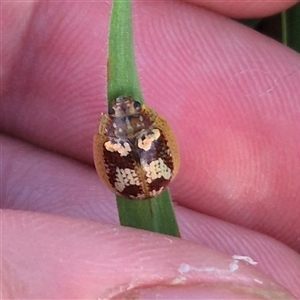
(280, 80)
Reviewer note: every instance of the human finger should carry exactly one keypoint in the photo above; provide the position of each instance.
(69, 258)
(245, 9)
(41, 181)
(234, 109)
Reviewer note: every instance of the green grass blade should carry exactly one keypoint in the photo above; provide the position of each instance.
(290, 24)
(283, 28)
(121, 67)
(154, 214)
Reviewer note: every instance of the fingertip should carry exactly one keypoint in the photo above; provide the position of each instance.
(73, 258)
(245, 9)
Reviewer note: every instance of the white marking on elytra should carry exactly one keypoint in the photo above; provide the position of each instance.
(146, 143)
(156, 169)
(126, 177)
(118, 147)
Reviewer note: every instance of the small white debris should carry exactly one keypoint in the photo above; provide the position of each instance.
(178, 281)
(234, 265)
(247, 259)
(184, 268)
(258, 281)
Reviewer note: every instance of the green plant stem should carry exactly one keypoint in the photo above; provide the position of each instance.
(122, 72)
(155, 214)
(290, 26)
(283, 28)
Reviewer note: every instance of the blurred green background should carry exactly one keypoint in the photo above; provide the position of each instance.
(284, 27)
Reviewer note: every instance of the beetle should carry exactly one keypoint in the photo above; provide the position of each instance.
(135, 150)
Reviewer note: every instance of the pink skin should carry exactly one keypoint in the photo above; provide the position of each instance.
(245, 9)
(232, 97)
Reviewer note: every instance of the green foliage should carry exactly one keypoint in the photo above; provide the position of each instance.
(284, 27)
(121, 67)
(155, 214)
(291, 27)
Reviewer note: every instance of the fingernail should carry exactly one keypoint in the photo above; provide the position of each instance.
(206, 292)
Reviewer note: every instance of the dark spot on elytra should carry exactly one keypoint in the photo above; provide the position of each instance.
(157, 183)
(132, 191)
